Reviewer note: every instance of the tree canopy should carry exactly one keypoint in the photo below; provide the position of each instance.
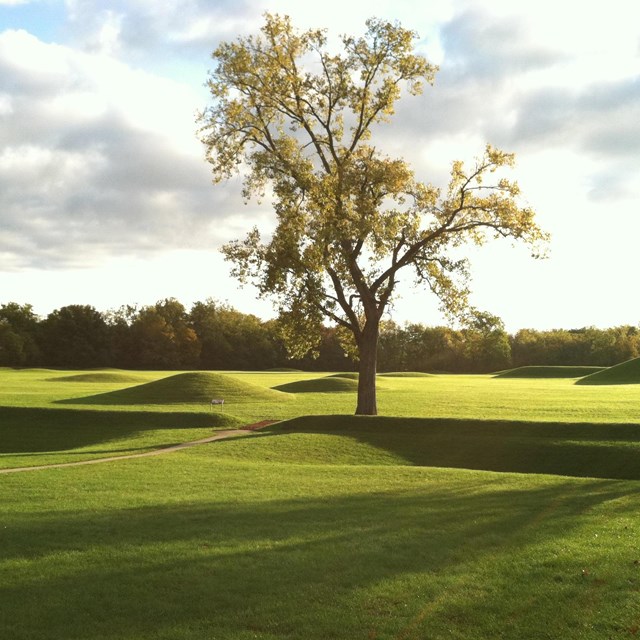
(228, 339)
(296, 120)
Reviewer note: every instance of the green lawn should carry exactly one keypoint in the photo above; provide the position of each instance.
(444, 525)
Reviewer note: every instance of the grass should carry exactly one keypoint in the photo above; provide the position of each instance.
(106, 376)
(405, 374)
(549, 372)
(625, 373)
(191, 387)
(349, 375)
(329, 384)
(440, 521)
(36, 436)
(587, 450)
(191, 546)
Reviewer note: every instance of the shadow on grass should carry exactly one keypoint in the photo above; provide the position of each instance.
(583, 450)
(30, 430)
(355, 566)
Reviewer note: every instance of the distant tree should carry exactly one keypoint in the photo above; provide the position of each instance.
(297, 118)
(607, 347)
(163, 337)
(526, 348)
(75, 336)
(627, 343)
(392, 347)
(13, 351)
(122, 344)
(231, 339)
(487, 345)
(18, 335)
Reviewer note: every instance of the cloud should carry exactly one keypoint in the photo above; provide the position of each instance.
(601, 121)
(144, 29)
(480, 47)
(487, 65)
(497, 84)
(98, 159)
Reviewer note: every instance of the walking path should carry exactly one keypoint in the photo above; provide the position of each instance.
(219, 435)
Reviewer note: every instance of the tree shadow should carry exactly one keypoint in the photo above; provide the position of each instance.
(571, 449)
(37, 430)
(352, 566)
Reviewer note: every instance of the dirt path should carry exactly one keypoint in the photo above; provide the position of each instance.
(219, 435)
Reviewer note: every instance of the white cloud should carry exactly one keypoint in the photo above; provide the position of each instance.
(98, 158)
(98, 154)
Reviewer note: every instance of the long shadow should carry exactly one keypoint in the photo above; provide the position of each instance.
(34, 430)
(571, 449)
(304, 568)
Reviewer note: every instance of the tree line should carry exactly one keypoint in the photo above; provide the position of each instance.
(214, 335)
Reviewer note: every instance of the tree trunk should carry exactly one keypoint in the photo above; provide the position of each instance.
(368, 352)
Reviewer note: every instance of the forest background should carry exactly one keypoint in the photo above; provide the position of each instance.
(214, 335)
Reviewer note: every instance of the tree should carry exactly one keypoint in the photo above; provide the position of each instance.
(487, 344)
(122, 343)
(18, 335)
(231, 339)
(75, 336)
(292, 116)
(163, 337)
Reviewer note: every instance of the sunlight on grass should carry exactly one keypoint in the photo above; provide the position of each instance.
(180, 547)
(330, 526)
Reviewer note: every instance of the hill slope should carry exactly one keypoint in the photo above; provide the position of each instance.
(625, 373)
(99, 376)
(548, 372)
(578, 449)
(192, 387)
(329, 384)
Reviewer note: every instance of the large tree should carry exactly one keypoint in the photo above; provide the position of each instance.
(296, 120)
(75, 336)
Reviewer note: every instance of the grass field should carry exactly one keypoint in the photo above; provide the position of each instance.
(478, 507)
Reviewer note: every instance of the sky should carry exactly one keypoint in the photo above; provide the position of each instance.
(105, 197)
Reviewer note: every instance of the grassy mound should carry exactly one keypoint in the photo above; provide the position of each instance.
(405, 374)
(200, 387)
(348, 375)
(568, 449)
(34, 431)
(626, 373)
(330, 384)
(98, 377)
(548, 372)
